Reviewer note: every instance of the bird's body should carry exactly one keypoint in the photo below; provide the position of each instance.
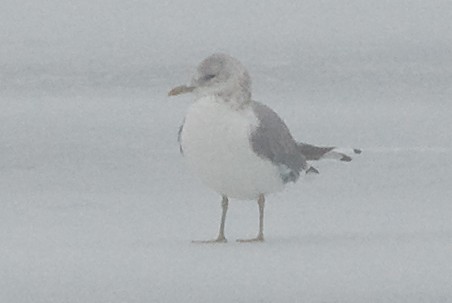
(215, 139)
(239, 147)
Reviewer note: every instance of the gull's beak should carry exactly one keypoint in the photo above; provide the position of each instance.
(183, 89)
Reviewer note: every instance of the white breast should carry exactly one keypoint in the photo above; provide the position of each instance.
(215, 141)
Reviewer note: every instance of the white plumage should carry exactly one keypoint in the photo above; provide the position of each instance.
(216, 144)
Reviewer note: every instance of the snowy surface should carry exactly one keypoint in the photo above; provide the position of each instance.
(96, 204)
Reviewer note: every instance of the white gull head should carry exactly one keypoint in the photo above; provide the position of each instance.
(222, 76)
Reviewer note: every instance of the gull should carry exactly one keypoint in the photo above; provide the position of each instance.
(239, 147)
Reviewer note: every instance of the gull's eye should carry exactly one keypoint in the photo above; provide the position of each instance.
(208, 77)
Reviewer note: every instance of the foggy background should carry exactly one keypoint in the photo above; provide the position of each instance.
(96, 204)
(89, 38)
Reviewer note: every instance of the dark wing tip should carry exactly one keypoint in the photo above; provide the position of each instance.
(346, 158)
(312, 170)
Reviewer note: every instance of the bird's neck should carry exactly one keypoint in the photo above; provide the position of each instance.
(236, 99)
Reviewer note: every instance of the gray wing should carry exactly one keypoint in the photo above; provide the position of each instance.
(312, 152)
(272, 140)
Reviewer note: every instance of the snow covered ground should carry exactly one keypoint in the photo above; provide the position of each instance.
(96, 204)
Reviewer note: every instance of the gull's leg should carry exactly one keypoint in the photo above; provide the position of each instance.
(221, 238)
(224, 207)
(260, 235)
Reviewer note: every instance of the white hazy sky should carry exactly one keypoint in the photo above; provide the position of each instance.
(110, 33)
